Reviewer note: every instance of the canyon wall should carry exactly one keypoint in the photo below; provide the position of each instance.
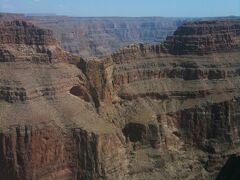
(101, 36)
(147, 111)
(177, 105)
(49, 127)
(204, 37)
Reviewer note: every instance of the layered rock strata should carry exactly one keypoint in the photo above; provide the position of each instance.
(163, 111)
(177, 106)
(102, 36)
(205, 37)
(49, 127)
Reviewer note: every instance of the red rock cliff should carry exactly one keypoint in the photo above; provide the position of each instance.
(49, 127)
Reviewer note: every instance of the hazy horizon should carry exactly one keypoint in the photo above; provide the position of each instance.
(114, 8)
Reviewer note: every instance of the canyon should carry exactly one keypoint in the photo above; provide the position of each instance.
(164, 111)
(101, 36)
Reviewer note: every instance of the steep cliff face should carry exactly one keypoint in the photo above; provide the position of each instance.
(22, 32)
(99, 75)
(49, 127)
(179, 114)
(22, 41)
(205, 37)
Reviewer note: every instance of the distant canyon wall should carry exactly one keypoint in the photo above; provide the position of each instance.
(101, 36)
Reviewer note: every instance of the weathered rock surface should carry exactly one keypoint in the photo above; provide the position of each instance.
(21, 32)
(162, 111)
(205, 37)
(179, 114)
(49, 127)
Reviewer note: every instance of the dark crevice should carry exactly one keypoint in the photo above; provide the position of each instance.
(231, 170)
(135, 132)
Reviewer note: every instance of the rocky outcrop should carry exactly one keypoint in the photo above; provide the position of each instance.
(33, 153)
(99, 75)
(22, 32)
(22, 41)
(96, 154)
(49, 126)
(205, 37)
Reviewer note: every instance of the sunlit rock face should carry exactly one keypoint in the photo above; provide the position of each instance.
(177, 107)
(49, 126)
(147, 111)
(205, 37)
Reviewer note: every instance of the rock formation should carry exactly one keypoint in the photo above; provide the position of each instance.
(177, 106)
(162, 111)
(49, 126)
(101, 36)
(205, 37)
